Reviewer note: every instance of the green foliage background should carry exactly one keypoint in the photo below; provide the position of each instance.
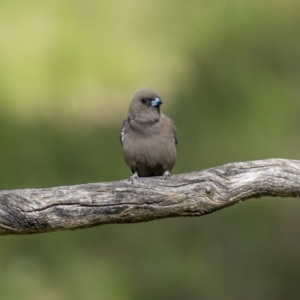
(228, 73)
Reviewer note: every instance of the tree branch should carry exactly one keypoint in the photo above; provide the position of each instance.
(191, 194)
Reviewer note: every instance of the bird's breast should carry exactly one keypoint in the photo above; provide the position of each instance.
(149, 154)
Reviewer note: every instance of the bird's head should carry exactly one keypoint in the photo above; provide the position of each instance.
(145, 106)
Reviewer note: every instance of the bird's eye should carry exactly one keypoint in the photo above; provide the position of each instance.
(144, 100)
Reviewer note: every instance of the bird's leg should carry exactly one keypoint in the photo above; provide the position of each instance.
(133, 177)
(166, 175)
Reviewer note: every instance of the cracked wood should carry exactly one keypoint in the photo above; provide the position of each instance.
(29, 211)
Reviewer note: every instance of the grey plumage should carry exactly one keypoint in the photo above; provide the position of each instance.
(148, 137)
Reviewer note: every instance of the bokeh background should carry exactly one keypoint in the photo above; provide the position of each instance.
(228, 73)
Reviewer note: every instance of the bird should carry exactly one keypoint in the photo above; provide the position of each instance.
(148, 137)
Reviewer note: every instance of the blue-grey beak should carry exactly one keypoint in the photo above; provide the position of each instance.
(156, 102)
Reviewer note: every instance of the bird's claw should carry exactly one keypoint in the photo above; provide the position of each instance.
(166, 175)
(133, 177)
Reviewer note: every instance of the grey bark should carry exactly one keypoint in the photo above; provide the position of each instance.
(29, 211)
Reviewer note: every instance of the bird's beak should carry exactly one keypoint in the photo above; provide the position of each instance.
(156, 102)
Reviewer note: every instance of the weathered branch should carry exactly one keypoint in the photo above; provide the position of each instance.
(191, 194)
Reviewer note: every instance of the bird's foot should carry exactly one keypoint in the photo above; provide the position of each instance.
(166, 175)
(133, 177)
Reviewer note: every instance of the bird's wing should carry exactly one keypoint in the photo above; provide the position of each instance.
(122, 132)
(175, 137)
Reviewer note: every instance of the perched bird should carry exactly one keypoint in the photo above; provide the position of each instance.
(148, 137)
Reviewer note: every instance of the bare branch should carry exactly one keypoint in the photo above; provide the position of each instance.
(192, 194)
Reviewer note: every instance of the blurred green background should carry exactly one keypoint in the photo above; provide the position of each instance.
(228, 73)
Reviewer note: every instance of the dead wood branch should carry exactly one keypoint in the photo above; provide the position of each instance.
(191, 194)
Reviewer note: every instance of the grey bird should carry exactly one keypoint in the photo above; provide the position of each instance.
(148, 137)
